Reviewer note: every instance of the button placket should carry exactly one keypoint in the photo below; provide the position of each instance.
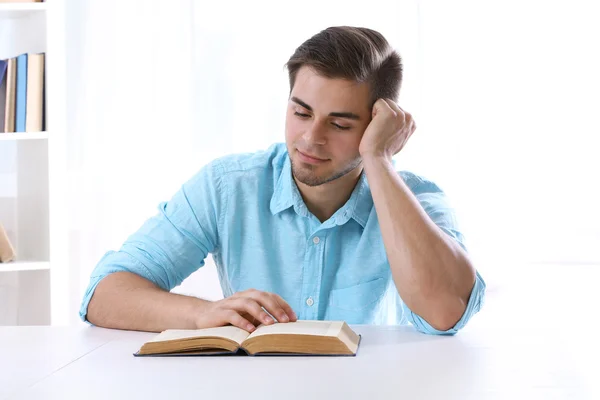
(313, 267)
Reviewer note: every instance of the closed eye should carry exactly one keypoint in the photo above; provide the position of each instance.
(341, 128)
(338, 127)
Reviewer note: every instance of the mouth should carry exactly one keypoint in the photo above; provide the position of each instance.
(307, 158)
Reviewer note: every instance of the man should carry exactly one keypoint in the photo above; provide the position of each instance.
(320, 228)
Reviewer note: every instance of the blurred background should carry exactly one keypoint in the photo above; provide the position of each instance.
(505, 95)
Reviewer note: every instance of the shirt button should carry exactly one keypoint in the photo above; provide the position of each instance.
(316, 240)
(310, 302)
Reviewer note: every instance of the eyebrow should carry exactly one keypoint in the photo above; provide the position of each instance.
(347, 115)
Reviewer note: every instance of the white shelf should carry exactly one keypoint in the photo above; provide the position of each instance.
(20, 10)
(23, 135)
(24, 266)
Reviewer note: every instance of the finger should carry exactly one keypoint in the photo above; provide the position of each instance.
(413, 126)
(381, 106)
(392, 104)
(253, 308)
(286, 307)
(235, 319)
(396, 106)
(251, 318)
(267, 300)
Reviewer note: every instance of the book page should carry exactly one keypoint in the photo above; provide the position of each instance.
(229, 332)
(315, 328)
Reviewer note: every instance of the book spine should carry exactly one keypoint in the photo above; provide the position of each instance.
(3, 67)
(35, 93)
(11, 87)
(21, 106)
(7, 252)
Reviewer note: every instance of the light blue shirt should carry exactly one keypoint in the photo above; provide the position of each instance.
(247, 212)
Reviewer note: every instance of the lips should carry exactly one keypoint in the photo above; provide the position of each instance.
(309, 159)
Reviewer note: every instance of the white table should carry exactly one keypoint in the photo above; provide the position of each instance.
(393, 362)
(531, 342)
(31, 354)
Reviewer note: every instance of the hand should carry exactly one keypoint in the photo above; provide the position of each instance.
(245, 310)
(388, 131)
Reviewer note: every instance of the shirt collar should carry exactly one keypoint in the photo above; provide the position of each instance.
(286, 195)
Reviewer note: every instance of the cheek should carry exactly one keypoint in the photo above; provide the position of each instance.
(293, 129)
(346, 145)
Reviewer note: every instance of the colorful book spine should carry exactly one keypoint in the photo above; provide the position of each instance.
(21, 103)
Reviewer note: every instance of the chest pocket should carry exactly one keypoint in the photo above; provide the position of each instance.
(356, 304)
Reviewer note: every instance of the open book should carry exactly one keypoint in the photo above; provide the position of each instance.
(300, 337)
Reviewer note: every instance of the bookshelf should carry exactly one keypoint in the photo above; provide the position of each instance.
(34, 287)
(23, 136)
(27, 266)
(20, 10)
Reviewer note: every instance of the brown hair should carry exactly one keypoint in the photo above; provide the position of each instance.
(358, 54)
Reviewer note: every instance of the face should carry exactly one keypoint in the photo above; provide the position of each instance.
(325, 121)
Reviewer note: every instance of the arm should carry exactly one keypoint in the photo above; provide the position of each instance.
(124, 300)
(432, 272)
(129, 289)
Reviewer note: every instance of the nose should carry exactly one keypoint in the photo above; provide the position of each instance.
(315, 135)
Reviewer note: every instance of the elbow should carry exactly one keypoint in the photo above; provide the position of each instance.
(448, 315)
(96, 312)
(92, 314)
(444, 324)
(103, 297)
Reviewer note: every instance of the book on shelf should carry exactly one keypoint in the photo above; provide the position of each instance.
(22, 93)
(35, 93)
(21, 101)
(325, 338)
(8, 86)
(7, 252)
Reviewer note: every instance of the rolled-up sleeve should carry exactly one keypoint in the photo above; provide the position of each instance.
(436, 205)
(173, 244)
(473, 306)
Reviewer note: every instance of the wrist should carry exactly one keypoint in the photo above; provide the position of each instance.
(198, 313)
(376, 159)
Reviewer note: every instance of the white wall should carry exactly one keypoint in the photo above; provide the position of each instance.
(511, 99)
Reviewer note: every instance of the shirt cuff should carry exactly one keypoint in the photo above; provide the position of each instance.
(112, 262)
(476, 301)
(87, 297)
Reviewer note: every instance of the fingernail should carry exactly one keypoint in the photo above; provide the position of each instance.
(250, 327)
(284, 318)
(267, 320)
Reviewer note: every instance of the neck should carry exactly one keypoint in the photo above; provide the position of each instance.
(324, 200)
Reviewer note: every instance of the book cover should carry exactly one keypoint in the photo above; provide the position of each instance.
(35, 93)
(8, 111)
(7, 252)
(21, 98)
(3, 68)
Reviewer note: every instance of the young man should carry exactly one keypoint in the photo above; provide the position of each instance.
(322, 227)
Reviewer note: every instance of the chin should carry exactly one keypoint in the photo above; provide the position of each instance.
(308, 174)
